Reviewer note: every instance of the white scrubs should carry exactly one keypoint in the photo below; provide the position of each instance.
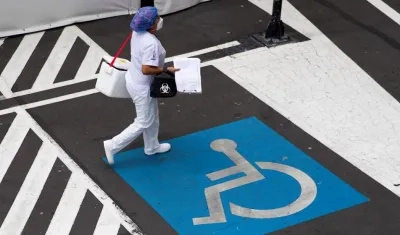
(146, 49)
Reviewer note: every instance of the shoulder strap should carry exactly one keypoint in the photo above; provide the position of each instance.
(121, 48)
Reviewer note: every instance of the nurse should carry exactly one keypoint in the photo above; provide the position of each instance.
(147, 60)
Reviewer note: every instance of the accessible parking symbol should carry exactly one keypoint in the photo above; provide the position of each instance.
(238, 178)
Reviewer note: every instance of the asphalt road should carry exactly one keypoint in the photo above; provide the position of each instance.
(162, 194)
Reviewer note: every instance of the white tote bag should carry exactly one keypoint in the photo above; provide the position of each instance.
(111, 80)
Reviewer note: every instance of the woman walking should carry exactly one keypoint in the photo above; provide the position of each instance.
(147, 60)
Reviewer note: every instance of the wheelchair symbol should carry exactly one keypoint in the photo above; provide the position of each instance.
(213, 193)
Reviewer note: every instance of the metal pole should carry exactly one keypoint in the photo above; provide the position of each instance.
(147, 3)
(276, 30)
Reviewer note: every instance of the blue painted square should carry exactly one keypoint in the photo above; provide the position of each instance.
(174, 183)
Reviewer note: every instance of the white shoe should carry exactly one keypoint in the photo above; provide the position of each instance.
(107, 150)
(165, 147)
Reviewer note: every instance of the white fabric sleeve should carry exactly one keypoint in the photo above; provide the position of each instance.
(151, 55)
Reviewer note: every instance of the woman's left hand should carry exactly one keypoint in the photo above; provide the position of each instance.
(172, 69)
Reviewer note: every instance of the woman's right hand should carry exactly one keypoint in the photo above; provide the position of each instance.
(172, 69)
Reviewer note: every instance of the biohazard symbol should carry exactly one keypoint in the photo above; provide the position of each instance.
(165, 88)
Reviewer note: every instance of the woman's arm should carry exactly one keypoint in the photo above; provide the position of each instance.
(151, 70)
(154, 70)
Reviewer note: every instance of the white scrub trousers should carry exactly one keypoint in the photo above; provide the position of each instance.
(146, 123)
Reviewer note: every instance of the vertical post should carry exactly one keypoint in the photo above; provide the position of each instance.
(147, 3)
(276, 30)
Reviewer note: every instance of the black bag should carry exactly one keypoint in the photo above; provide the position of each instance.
(163, 86)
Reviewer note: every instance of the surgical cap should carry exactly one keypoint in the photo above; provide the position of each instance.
(144, 19)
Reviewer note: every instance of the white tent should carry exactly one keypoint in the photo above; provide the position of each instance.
(26, 16)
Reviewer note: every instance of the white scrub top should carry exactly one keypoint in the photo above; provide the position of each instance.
(146, 49)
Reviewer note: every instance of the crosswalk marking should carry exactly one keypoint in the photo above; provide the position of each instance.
(332, 99)
(68, 208)
(19, 59)
(11, 143)
(30, 191)
(111, 218)
(90, 63)
(107, 223)
(56, 59)
(386, 9)
(5, 92)
(48, 73)
(55, 85)
(79, 184)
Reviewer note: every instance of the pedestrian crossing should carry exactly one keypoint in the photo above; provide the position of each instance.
(41, 194)
(48, 59)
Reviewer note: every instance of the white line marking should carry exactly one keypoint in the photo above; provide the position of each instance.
(386, 9)
(108, 224)
(206, 50)
(84, 37)
(68, 208)
(4, 89)
(53, 64)
(82, 176)
(84, 93)
(29, 191)
(19, 59)
(55, 85)
(292, 17)
(12, 142)
(321, 90)
(92, 59)
(50, 101)
(90, 63)
(56, 58)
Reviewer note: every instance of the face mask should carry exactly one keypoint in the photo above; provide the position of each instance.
(160, 24)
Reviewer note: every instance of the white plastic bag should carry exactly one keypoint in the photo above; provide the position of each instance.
(111, 80)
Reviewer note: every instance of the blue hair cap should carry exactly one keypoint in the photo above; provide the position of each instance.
(144, 19)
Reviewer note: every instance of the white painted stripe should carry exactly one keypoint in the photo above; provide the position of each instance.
(2, 41)
(12, 142)
(83, 177)
(50, 101)
(92, 59)
(108, 223)
(291, 16)
(56, 58)
(202, 51)
(87, 92)
(84, 93)
(83, 36)
(4, 89)
(386, 9)
(29, 191)
(20, 57)
(68, 207)
(55, 85)
(90, 63)
(356, 118)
